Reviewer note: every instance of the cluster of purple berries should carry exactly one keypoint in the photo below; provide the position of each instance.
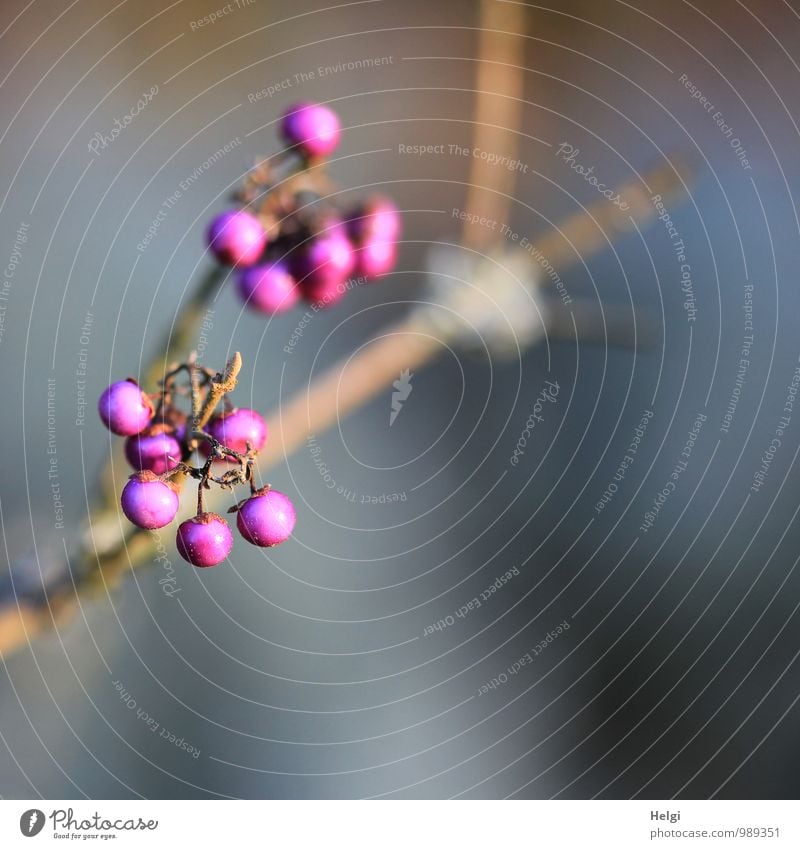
(296, 245)
(161, 440)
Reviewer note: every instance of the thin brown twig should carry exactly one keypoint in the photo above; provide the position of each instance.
(220, 386)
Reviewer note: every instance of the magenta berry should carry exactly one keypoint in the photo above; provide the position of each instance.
(124, 408)
(156, 449)
(269, 289)
(375, 258)
(234, 429)
(311, 128)
(237, 238)
(149, 502)
(323, 266)
(266, 519)
(205, 540)
(377, 219)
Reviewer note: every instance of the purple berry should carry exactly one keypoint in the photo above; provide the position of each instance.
(204, 540)
(236, 428)
(375, 258)
(237, 238)
(378, 219)
(124, 408)
(266, 519)
(311, 128)
(269, 289)
(323, 266)
(152, 448)
(149, 502)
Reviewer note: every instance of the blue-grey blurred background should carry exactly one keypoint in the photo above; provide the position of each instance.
(312, 670)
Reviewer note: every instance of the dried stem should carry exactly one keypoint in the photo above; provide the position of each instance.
(221, 384)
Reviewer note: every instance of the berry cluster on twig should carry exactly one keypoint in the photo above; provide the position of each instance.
(287, 239)
(162, 439)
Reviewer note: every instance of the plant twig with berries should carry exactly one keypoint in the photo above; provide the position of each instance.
(163, 438)
(285, 239)
(286, 242)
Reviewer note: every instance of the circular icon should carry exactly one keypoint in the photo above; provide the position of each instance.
(31, 822)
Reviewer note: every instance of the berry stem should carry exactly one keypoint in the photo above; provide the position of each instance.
(191, 442)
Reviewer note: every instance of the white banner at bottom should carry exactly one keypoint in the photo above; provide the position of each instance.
(401, 824)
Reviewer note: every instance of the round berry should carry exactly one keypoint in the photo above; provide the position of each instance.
(323, 266)
(124, 408)
(266, 519)
(156, 448)
(149, 502)
(235, 428)
(237, 238)
(311, 128)
(269, 289)
(204, 540)
(375, 258)
(377, 219)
